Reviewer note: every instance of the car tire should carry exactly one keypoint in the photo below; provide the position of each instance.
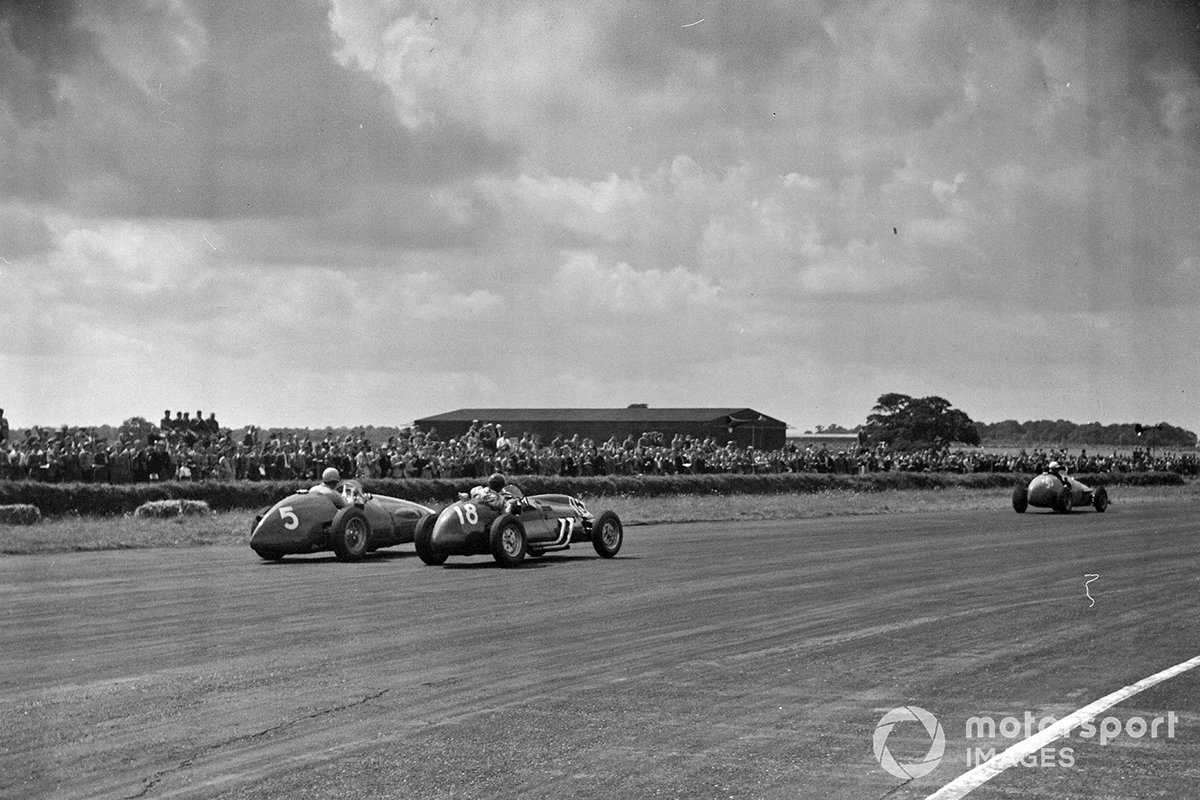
(607, 534)
(507, 540)
(1100, 499)
(350, 534)
(1064, 500)
(423, 541)
(1020, 499)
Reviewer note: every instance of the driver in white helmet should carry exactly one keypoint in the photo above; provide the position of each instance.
(330, 478)
(1055, 469)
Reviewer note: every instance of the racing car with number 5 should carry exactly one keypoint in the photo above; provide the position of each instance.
(347, 520)
(524, 526)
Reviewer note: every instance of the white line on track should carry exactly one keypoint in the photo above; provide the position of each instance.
(974, 778)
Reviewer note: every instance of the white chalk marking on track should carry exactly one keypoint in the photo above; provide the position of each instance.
(974, 778)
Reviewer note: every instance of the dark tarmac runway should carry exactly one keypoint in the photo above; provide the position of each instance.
(706, 661)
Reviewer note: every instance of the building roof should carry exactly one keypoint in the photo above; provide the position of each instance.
(638, 414)
(830, 436)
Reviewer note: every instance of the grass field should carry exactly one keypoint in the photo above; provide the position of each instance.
(70, 534)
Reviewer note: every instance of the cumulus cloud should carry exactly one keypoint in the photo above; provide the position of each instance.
(22, 234)
(219, 111)
(620, 290)
(825, 200)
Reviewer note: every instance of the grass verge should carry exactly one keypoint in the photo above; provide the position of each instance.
(76, 533)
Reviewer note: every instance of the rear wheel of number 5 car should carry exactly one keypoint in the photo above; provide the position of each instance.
(349, 534)
(1064, 500)
(507, 540)
(607, 534)
(1100, 499)
(1020, 499)
(423, 541)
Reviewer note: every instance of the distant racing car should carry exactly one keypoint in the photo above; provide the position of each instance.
(530, 525)
(1060, 493)
(349, 521)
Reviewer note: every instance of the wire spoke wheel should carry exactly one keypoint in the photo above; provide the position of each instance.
(356, 535)
(351, 535)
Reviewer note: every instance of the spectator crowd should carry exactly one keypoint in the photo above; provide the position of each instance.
(189, 448)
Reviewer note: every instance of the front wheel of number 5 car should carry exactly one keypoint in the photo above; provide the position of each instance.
(1100, 499)
(423, 541)
(507, 540)
(607, 534)
(349, 534)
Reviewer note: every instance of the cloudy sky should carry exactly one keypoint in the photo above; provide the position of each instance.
(366, 212)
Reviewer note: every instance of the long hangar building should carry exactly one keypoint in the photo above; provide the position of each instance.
(745, 427)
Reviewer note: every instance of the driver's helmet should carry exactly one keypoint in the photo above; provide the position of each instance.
(496, 481)
(1054, 465)
(330, 476)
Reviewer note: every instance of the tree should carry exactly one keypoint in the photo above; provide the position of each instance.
(136, 428)
(907, 423)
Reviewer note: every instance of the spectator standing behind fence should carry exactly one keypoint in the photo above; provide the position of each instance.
(3, 428)
(224, 471)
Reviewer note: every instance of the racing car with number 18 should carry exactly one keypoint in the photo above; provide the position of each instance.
(522, 526)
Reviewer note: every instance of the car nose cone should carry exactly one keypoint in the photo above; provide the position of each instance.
(448, 530)
(269, 533)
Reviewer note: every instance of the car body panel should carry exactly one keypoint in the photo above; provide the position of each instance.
(300, 522)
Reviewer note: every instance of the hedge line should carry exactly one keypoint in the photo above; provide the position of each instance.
(20, 514)
(108, 499)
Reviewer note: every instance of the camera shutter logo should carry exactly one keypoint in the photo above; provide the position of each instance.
(937, 744)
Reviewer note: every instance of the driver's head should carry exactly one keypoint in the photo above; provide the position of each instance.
(330, 477)
(1054, 466)
(496, 482)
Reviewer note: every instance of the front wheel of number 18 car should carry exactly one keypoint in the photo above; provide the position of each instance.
(507, 540)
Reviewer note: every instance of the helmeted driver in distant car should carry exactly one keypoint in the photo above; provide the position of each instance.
(1055, 469)
(492, 494)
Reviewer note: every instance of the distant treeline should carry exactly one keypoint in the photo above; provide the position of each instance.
(1046, 432)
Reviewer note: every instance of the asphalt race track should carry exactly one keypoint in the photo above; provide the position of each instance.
(704, 662)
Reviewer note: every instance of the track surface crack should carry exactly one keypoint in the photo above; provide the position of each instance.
(149, 783)
(896, 788)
